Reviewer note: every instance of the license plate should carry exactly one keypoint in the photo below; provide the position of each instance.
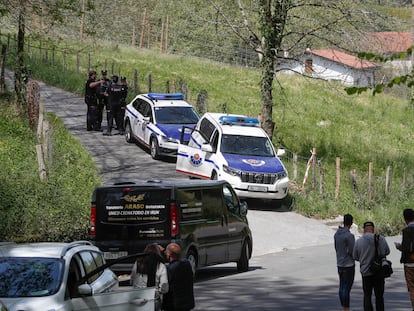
(114, 255)
(257, 188)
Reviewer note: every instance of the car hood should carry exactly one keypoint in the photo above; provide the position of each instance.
(174, 130)
(29, 303)
(254, 163)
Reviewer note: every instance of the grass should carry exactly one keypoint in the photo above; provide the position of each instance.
(308, 114)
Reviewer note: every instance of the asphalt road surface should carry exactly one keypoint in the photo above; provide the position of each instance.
(293, 265)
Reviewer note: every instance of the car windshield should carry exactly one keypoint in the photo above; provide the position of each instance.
(247, 145)
(30, 277)
(176, 115)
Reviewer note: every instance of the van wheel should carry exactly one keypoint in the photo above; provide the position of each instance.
(243, 263)
(193, 259)
(155, 154)
(128, 133)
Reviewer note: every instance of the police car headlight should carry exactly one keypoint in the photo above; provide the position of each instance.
(231, 171)
(169, 140)
(282, 175)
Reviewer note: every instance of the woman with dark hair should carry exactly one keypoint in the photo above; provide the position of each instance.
(150, 271)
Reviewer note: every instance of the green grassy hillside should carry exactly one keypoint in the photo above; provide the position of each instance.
(308, 114)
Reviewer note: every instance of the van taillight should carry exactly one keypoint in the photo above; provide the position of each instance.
(92, 230)
(174, 219)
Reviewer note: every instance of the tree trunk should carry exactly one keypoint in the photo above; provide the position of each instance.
(267, 98)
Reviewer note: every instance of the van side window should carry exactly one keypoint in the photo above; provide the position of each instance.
(191, 203)
(212, 198)
(231, 200)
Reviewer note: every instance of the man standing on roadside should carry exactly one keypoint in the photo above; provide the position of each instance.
(344, 245)
(91, 102)
(180, 296)
(364, 252)
(407, 252)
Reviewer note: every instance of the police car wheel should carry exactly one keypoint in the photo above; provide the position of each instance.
(213, 175)
(155, 154)
(128, 133)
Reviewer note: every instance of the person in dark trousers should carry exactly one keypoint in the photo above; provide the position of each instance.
(91, 101)
(180, 296)
(124, 92)
(113, 109)
(407, 252)
(344, 246)
(364, 252)
(102, 95)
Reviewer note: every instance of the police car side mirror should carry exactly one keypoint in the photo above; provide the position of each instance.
(243, 208)
(85, 290)
(281, 152)
(146, 119)
(206, 148)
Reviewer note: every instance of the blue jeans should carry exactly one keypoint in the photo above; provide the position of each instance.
(346, 280)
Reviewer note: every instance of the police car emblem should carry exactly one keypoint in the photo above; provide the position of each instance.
(254, 162)
(195, 159)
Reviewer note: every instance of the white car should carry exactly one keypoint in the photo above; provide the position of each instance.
(63, 277)
(155, 121)
(234, 148)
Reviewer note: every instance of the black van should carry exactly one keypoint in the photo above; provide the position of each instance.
(205, 217)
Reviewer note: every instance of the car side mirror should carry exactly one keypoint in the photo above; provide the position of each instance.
(146, 119)
(281, 152)
(243, 208)
(85, 290)
(206, 148)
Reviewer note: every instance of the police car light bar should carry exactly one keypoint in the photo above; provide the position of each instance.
(239, 120)
(176, 96)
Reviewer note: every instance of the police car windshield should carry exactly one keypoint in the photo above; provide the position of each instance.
(30, 277)
(247, 145)
(176, 115)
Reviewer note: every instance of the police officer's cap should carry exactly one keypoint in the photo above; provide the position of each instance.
(104, 72)
(123, 78)
(115, 79)
(92, 72)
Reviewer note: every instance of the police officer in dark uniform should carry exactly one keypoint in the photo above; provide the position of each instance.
(124, 94)
(101, 93)
(92, 102)
(113, 110)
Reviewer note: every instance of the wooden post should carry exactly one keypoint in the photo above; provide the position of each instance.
(338, 177)
(77, 62)
(136, 90)
(314, 168)
(371, 181)
(149, 83)
(295, 166)
(64, 59)
(321, 177)
(162, 35)
(388, 180)
(167, 26)
(167, 87)
(141, 38)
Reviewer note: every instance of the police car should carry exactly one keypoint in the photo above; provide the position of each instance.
(155, 120)
(236, 149)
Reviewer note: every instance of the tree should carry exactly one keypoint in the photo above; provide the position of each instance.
(274, 28)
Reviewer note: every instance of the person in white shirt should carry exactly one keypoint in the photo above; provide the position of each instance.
(150, 271)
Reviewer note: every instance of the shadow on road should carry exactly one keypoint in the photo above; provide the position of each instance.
(216, 272)
(285, 205)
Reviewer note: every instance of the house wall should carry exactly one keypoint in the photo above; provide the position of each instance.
(331, 71)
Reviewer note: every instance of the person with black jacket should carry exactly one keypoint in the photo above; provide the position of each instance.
(113, 109)
(92, 115)
(102, 95)
(407, 251)
(180, 296)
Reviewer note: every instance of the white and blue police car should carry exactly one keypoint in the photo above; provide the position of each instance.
(236, 149)
(155, 121)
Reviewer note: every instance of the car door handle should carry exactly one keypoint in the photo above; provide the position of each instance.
(139, 301)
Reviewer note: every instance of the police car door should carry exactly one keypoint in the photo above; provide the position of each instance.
(195, 159)
(145, 116)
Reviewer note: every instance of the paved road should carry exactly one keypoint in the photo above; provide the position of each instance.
(293, 264)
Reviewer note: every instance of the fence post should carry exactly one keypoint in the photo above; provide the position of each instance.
(77, 62)
(149, 83)
(167, 87)
(388, 179)
(354, 183)
(404, 179)
(64, 59)
(295, 166)
(135, 81)
(314, 168)
(338, 177)
(371, 181)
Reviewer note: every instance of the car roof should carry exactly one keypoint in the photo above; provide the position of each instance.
(165, 99)
(166, 183)
(41, 249)
(235, 129)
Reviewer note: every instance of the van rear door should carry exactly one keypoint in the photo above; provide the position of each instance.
(128, 218)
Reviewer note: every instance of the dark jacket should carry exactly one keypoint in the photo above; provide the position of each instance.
(180, 296)
(407, 245)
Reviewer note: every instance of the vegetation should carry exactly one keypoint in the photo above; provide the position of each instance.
(56, 209)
